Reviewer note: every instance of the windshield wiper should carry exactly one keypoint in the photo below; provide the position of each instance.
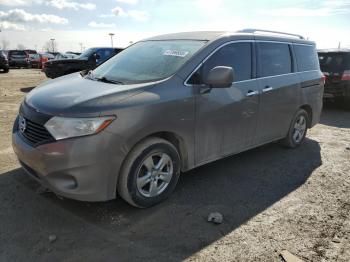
(106, 80)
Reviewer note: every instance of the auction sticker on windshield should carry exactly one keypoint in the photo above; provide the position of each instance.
(176, 53)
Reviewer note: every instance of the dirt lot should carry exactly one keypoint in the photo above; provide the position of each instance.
(271, 198)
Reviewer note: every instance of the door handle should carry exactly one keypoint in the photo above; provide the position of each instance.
(252, 93)
(267, 89)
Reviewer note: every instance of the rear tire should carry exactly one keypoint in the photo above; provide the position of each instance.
(6, 70)
(297, 130)
(150, 173)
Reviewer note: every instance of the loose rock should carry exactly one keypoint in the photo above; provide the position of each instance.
(52, 238)
(215, 217)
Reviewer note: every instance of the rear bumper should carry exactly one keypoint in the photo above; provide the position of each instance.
(337, 90)
(35, 63)
(19, 63)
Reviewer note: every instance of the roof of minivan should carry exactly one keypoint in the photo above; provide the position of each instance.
(213, 35)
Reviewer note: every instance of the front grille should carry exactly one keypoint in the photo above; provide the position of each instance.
(36, 134)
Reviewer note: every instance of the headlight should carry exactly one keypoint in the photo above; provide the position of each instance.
(62, 127)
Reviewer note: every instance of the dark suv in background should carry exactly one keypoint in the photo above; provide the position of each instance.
(88, 60)
(4, 63)
(335, 65)
(18, 58)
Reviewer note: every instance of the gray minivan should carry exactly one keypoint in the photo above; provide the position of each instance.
(166, 105)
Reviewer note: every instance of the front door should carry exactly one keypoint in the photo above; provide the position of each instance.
(226, 117)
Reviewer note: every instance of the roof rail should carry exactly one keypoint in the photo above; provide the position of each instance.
(253, 31)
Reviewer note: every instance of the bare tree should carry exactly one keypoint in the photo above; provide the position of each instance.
(5, 44)
(20, 47)
(50, 46)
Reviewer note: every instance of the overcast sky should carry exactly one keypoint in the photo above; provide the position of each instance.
(70, 22)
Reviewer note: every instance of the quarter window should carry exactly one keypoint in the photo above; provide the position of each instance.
(275, 59)
(307, 59)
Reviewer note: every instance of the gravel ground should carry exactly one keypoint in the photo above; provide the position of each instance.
(271, 199)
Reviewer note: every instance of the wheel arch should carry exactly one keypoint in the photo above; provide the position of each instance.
(172, 137)
(308, 110)
(178, 142)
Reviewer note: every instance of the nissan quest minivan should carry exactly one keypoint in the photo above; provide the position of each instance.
(166, 105)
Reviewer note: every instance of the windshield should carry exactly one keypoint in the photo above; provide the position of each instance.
(87, 53)
(148, 61)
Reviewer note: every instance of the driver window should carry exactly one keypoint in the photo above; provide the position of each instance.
(236, 55)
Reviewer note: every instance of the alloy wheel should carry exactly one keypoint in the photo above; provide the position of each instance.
(155, 174)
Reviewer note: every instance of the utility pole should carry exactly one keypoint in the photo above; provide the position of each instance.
(53, 44)
(81, 47)
(111, 34)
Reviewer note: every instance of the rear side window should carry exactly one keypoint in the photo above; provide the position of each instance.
(236, 55)
(306, 57)
(275, 59)
(18, 53)
(105, 53)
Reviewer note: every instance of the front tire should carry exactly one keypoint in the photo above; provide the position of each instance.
(297, 130)
(150, 173)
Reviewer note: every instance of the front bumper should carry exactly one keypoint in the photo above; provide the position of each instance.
(4, 65)
(80, 168)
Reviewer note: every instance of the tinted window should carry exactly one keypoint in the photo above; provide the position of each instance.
(306, 57)
(237, 55)
(274, 59)
(104, 53)
(87, 53)
(17, 53)
(332, 62)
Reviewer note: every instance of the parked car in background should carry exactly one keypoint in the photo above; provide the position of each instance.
(4, 63)
(18, 58)
(335, 65)
(88, 60)
(34, 60)
(37, 60)
(164, 105)
(30, 52)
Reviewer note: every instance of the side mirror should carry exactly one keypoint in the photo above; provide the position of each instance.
(220, 77)
(97, 56)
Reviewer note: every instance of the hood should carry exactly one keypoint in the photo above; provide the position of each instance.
(73, 95)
